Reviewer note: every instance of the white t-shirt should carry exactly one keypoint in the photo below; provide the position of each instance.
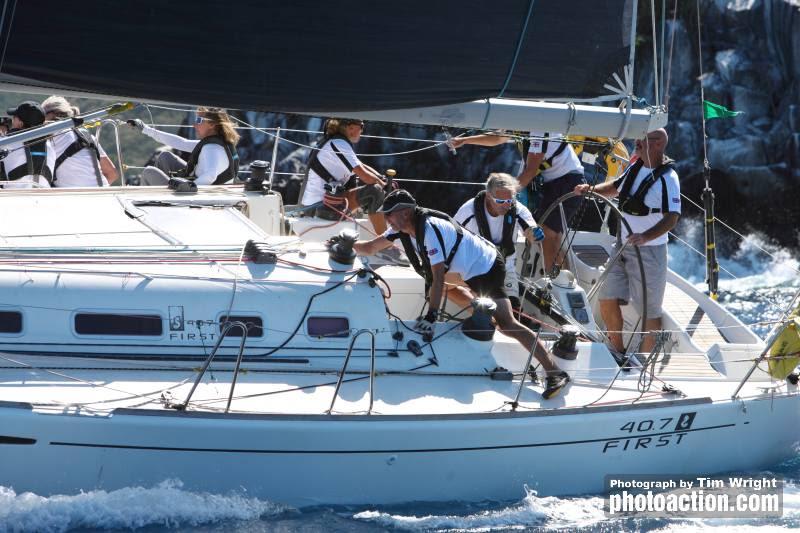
(78, 170)
(466, 217)
(563, 163)
(337, 157)
(653, 199)
(16, 157)
(211, 162)
(474, 256)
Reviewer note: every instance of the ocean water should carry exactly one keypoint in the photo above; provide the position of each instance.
(766, 278)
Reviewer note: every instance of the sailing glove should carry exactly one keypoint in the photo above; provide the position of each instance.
(425, 324)
(136, 123)
(538, 233)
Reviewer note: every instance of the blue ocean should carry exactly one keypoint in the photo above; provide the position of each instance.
(758, 282)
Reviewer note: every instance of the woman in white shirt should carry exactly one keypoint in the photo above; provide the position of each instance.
(213, 159)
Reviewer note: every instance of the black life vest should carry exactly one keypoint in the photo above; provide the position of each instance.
(633, 203)
(231, 172)
(315, 164)
(419, 258)
(35, 162)
(506, 244)
(83, 140)
(547, 163)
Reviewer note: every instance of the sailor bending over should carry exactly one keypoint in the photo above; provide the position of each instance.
(334, 171)
(435, 245)
(213, 159)
(497, 216)
(650, 200)
(80, 160)
(27, 164)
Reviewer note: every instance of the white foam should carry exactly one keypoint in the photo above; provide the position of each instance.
(555, 513)
(130, 508)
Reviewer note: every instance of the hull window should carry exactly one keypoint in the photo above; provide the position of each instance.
(328, 326)
(255, 326)
(10, 322)
(114, 324)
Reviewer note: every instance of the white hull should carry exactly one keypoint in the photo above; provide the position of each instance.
(381, 460)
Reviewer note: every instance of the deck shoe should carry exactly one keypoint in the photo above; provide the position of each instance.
(554, 383)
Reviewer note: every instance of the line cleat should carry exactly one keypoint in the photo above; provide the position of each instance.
(554, 383)
(532, 375)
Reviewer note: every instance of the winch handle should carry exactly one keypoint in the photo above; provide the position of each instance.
(390, 174)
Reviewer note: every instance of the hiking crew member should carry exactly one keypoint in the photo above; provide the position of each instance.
(436, 245)
(497, 216)
(80, 160)
(650, 200)
(213, 159)
(334, 172)
(27, 164)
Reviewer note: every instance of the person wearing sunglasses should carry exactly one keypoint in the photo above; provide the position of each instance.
(438, 246)
(213, 159)
(551, 159)
(496, 215)
(334, 166)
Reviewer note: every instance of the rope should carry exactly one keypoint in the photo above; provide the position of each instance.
(671, 48)
(655, 52)
(8, 33)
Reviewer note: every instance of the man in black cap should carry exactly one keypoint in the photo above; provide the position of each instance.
(26, 115)
(436, 245)
(31, 163)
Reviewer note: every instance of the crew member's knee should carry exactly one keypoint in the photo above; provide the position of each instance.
(371, 197)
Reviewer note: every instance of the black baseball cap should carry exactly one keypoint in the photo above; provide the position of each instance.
(398, 199)
(30, 113)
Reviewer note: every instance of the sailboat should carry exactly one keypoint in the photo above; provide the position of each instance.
(149, 334)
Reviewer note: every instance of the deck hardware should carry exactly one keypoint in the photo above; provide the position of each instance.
(343, 371)
(226, 328)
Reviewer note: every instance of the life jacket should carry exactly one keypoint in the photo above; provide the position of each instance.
(35, 162)
(420, 261)
(83, 140)
(315, 164)
(231, 172)
(506, 244)
(633, 203)
(547, 163)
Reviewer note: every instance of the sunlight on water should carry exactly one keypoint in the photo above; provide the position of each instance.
(165, 505)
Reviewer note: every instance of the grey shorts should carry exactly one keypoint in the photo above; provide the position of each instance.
(370, 197)
(624, 281)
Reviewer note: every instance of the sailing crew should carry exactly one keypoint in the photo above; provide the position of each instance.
(334, 172)
(550, 157)
(437, 245)
(496, 215)
(27, 164)
(80, 160)
(213, 159)
(650, 200)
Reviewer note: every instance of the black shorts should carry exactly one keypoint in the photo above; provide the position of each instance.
(552, 191)
(490, 284)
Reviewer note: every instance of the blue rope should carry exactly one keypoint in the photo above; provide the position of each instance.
(513, 64)
(516, 52)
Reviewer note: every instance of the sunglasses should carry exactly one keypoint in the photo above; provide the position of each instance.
(359, 124)
(200, 120)
(500, 201)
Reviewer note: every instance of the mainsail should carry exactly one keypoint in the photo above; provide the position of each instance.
(307, 56)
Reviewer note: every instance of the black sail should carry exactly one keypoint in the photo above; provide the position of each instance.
(304, 55)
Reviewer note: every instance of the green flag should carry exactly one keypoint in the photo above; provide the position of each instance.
(711, 110)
